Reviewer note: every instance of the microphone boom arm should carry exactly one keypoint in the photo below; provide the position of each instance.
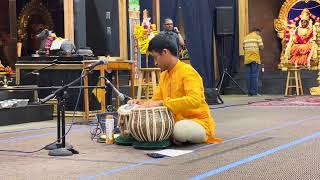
(121, 96)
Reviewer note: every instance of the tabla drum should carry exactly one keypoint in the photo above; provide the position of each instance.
(151, 124)
(124, 116)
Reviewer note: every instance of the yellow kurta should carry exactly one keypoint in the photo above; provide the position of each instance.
(182, 91)
(251, 45)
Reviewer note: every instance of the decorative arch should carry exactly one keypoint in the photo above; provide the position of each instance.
(32, 8)
(280, 24)
(283, 23)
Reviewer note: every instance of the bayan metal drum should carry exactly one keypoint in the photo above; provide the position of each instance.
(151, 124)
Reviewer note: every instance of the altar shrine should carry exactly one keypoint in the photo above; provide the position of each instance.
(298, 28)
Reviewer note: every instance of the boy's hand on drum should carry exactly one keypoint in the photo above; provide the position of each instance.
(135, 101)
(152, 104)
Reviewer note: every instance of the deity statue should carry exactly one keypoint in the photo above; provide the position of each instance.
(146, 19)
(145, 32)
(146, 24)
(301, 48)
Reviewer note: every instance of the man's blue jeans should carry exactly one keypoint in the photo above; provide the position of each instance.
(252, 73)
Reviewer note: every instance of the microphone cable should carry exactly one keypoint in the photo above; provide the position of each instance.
(70, 127)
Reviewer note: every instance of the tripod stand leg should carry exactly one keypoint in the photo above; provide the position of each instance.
(219, 88)
(220, 83)
(235, 82)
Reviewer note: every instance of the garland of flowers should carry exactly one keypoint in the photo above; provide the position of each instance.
(300, 40)
(293, 22)
(144, 35)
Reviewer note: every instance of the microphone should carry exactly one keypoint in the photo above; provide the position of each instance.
(36, 71)
(42, 101)
(175, 29)
(93, 65)
(121, 96)
(55, 61)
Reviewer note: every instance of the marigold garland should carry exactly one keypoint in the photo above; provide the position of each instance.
(144, 35)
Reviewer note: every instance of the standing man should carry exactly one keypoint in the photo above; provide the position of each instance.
(173, 32)
(252, 45)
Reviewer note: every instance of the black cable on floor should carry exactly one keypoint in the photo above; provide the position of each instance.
(71, 125)
(244, 104)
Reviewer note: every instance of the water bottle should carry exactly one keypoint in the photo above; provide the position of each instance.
(109, 129)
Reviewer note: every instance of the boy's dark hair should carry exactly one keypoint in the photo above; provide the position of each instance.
(163, 41)
(256, 29)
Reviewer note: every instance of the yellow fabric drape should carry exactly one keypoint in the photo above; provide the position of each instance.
(243, 22)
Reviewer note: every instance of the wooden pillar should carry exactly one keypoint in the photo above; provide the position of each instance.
(122, 4)
(243, 22)
(68, 20)
(156, 13)
(13, 33)
(13, 19)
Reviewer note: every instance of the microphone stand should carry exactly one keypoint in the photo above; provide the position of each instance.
(60, 148)
(122, 97)
(37, 73)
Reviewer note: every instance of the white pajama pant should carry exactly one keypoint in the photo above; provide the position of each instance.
(189, 131)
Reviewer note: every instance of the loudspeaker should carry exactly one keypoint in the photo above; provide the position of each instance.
(224, 21)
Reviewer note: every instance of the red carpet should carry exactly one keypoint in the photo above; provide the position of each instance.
(291, 101)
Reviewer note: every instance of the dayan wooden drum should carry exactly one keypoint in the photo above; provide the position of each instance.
(151, 124)
(124, 115)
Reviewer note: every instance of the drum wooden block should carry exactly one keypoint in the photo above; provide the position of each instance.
(151, 124)
(124, 115)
